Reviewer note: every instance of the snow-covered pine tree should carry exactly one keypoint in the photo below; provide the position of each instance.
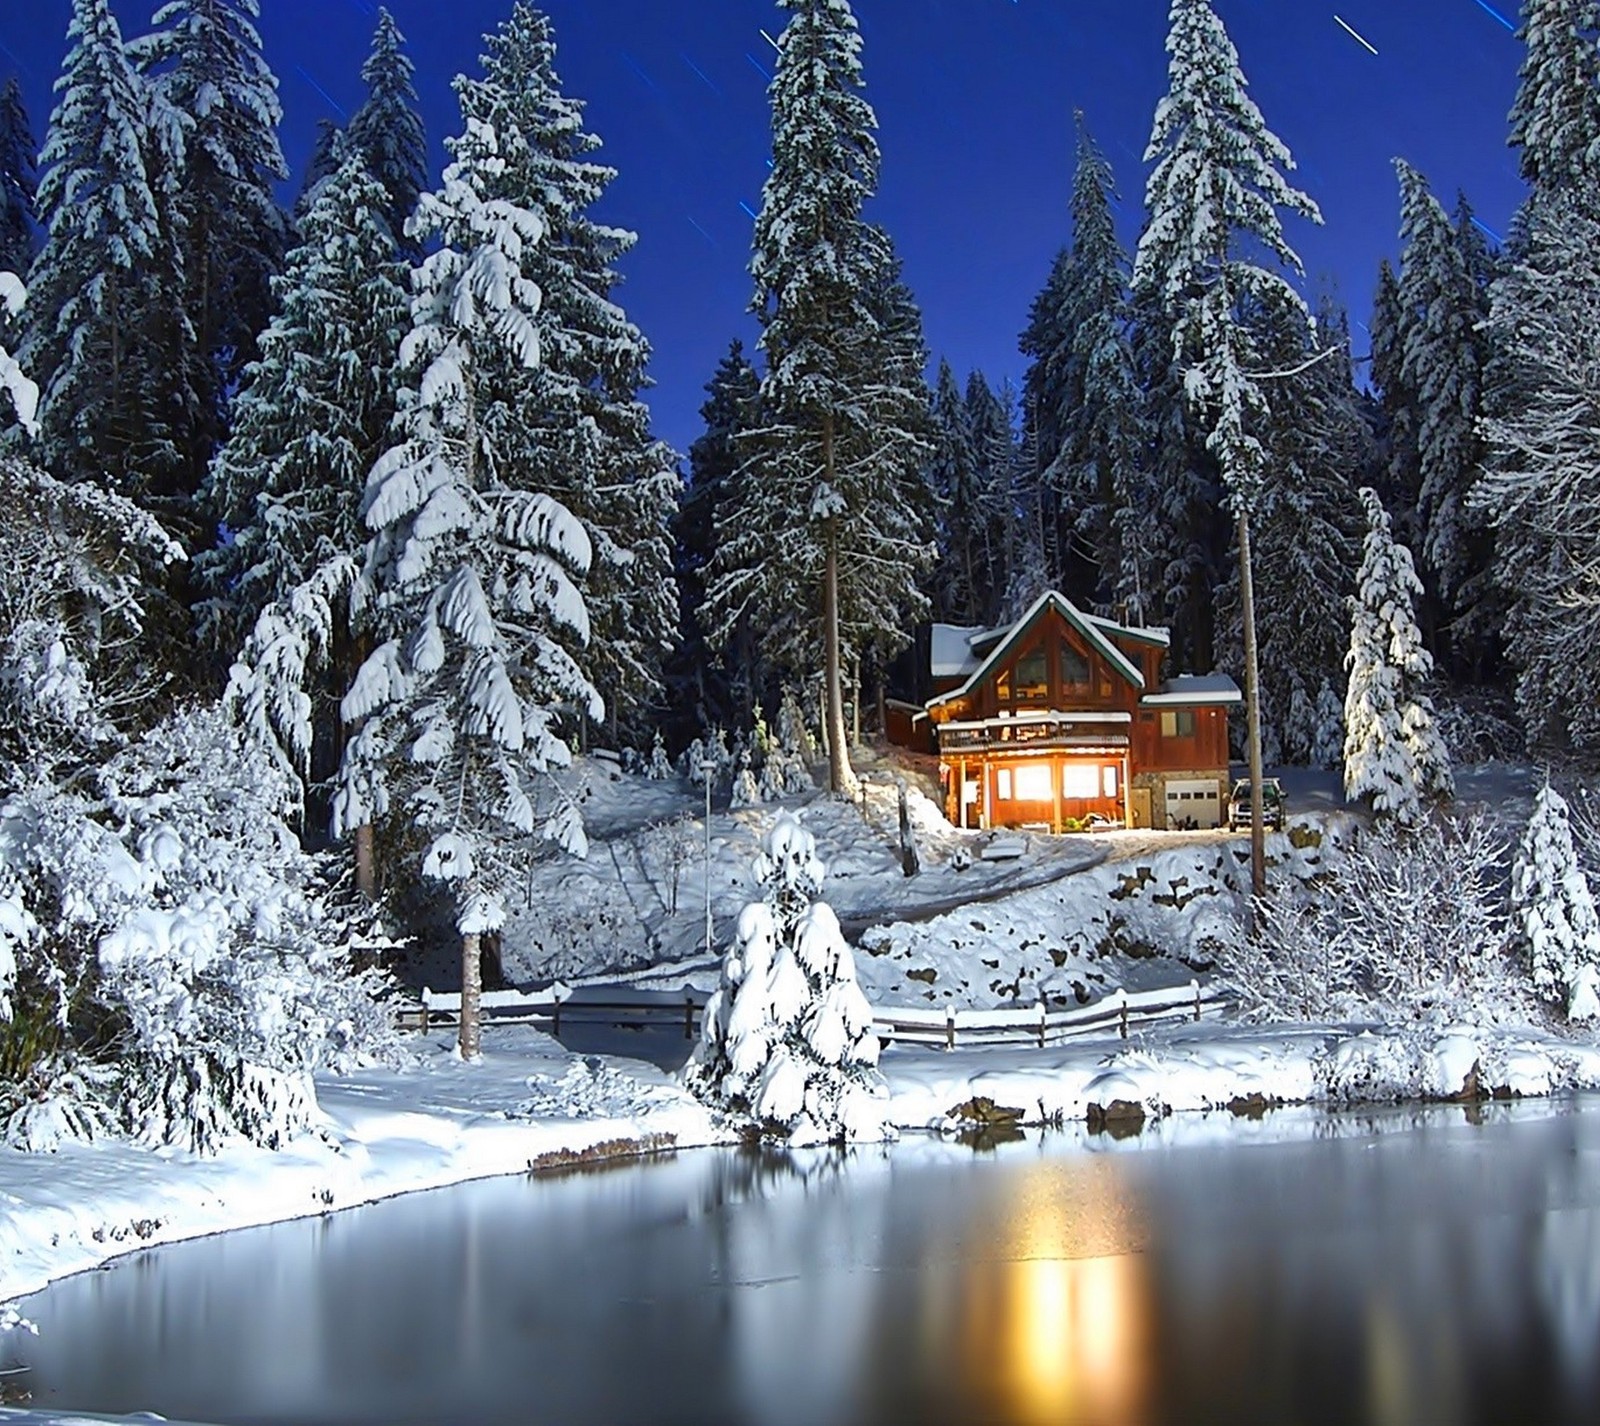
(85, 338)
(1214, 225)
(386, 131)
(15, 383)
(1183, 525)
(216, 112)
(889, 551)
(816, 477)
(1555, 118)
(327, 153)
(310, 423)
(1394, 758)
(1540, 486)
(712, 682)
(1094, 471)
(1443, 306)
(993, 443)
(787, 1039)
(580, 432)
(1305, 533)
(1046, 343)
(1400, 478)
(469, 578)
(19, 157)
(966, 534)
(1553, 911)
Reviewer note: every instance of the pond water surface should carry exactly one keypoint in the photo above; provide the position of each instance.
(1403, 1267)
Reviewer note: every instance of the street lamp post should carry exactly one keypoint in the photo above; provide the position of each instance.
(708, 770)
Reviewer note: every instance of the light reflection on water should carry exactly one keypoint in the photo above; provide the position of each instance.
(1404, 1268)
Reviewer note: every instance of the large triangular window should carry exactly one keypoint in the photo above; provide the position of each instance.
(1074, 669)
(1032, 678)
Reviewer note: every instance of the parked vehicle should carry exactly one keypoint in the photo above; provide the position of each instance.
(1272, 805)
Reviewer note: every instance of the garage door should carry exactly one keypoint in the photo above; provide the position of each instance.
(1194, 804)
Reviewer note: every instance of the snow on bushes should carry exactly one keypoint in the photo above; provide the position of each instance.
(1553, 911)
(787, 1036)
(159, 919)
(1408, 925)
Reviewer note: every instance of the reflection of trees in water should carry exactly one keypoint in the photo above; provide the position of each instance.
(792, 1231)
(1567, 1252)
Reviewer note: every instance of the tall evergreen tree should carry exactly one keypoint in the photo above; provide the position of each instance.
(713, 685)
(1394, 758)
(19, 157)
(1305, 534)
(470, 578)
(994, 469)
(962, 592)
(1213, 201)
(87, 336)
(1540, 486)
(1400, 479)
(1553, 913)
(1097, 471)
(327, 153)
(217, 112)
(1444, 304)
(310, 423)
(1555, 118)
(387, 130)
(581, 432)
(818, 486)
(1046, 341)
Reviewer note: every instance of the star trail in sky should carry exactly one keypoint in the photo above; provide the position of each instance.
(975, 100)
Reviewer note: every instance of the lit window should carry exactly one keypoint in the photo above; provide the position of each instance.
(1108, 781)
(1080, 780)
(1002, 686)
(1074, 668)
(1002, 784)
(1033, 678)
(1033, 782)
(1178, 723)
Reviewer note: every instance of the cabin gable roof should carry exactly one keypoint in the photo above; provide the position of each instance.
(1092, 630)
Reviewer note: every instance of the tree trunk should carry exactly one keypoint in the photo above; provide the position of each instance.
(841, 777)
(471, 1039)
(366, 863)
(1252, 711)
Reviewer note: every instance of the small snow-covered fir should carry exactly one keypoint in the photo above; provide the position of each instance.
(1393, 754)
(787, 1036)
(1553, 911)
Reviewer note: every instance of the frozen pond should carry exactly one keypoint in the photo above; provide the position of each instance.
(1401, 1267)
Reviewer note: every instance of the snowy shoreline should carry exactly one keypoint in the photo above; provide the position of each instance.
(530, 1104)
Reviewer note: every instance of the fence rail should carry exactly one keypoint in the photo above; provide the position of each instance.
(1036, 1024)
(945, 1027)
(609, 1005)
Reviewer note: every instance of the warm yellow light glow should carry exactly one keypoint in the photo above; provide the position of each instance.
(1033, 782)
(1080, 780)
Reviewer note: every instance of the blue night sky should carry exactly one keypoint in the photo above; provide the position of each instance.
(974, 100)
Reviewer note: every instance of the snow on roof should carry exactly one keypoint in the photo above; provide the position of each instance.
(1192, 689)
(950, 654)
(1152, 634)
(1091, 629)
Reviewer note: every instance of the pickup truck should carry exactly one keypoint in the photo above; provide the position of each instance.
(1272, 808)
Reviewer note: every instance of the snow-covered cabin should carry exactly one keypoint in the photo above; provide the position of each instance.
(1062, 715)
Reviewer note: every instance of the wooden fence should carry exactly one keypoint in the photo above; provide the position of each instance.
(562, 1004)
(1035, 1024)
(944, 1026)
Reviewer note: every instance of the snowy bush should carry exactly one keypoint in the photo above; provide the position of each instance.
(1408, 924)
(1553, 911)
(162, 920)
(13, 380)
(745, 791)
(666, 849)
(787, 1036)
(708, 757)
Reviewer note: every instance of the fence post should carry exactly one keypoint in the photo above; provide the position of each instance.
(688, 1013)
(1042, 1009)
(426, 993)
(559, 992)
(1122, 1005)
(949, 1027)
(1196, 984)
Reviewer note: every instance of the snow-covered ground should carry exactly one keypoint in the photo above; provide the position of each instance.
(1067, 917)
